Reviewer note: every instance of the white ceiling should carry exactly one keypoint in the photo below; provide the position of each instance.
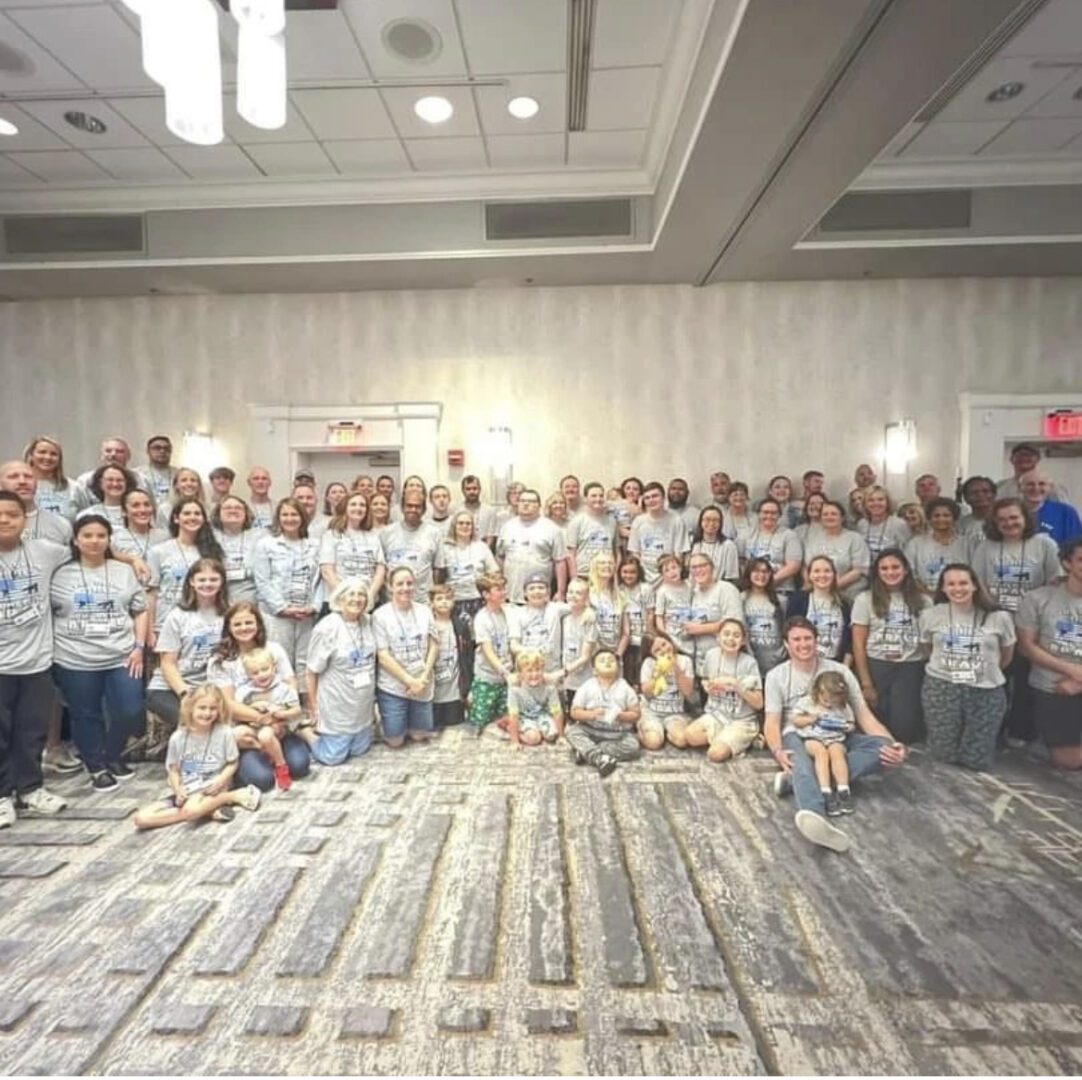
(85, 55)
(1041, 124)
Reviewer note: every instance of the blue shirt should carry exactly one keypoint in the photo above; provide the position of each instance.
(1059, 520)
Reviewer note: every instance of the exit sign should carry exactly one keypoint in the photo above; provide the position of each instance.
(1063, 424)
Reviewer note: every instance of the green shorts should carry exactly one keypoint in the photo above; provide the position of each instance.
(488, 702)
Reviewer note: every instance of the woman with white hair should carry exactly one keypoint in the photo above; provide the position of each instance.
(341, 676)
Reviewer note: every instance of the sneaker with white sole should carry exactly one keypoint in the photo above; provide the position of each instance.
(7, 813)
(249, 797)
(60, 759)
(818, 830)
(40, 801)
(103, 781)
(783, 784)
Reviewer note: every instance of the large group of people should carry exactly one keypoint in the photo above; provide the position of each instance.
(240, 636)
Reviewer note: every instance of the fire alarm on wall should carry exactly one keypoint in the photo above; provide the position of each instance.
(456, 458)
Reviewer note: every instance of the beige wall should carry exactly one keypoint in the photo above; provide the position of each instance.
(757, 378)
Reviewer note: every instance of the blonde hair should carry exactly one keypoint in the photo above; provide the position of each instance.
(831, 686)
(254, 658)
(612, 590)
(200, 693)
(529, 658)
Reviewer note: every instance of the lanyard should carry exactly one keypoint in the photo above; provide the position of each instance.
(789, 682)
(11, 572)
(972, 631)
(1021, 559)
(86, 586)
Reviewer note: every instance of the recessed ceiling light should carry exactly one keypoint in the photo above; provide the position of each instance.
(85, 122)
(1005, 92)
(523, 108)
(434, 110)
(7, 127)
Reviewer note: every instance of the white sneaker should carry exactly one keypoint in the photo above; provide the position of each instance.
(40, 801)
(249, 797)
(1014, 743)
(783, 784)
(60, 759)
(818, 830)
(7, 813)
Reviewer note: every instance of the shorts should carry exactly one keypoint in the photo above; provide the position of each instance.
(1058, 718)
(334, 749)
(650, 721)
(737, 735)
(401, 714)
(827, 738)
(545, 723)
(448, 713)
(488, 702)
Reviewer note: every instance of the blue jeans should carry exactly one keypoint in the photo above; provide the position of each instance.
(861, 750)
(399, 714)
(335, 749)
(255, 768)
(89, 694)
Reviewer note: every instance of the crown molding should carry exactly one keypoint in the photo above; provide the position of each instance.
(969, 173)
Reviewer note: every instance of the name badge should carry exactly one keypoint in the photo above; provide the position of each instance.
(26, 615)
(360, 679)
(235, 574)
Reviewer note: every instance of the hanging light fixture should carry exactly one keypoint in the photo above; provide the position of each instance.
(193, 86)
(261, 77)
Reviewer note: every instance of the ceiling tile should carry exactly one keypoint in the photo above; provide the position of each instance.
(118, 132)
(526, 151)
(606, 149)
(241, 131)
(501, 36)
(369, 17)
(1033, 137)
(1055, 29)
(447, 155)
(13, 175)
(971, 104)
(1065, 100)
(633, 33)
(345, 114)
(137, 164)
(291, 159)
(147, 116)
(93, 42)
(621, 98)
(368, 157)
(32, 134)
(59, 165)
(214, 162)
(321, 47)
(40, 72)
(550, 92)
(400, 102)
(944, 140)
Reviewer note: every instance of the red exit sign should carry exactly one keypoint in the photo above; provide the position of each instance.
(1063, 424)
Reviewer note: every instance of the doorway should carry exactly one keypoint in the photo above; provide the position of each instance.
(344, 466)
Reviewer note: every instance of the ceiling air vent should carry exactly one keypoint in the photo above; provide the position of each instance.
(551, 220)
(580, 42)
(898, 211)
(62, 235)
(300, 5)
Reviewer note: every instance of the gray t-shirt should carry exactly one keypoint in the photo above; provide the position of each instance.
(239, 560)
(354, 553)
(192, 636)
(496, 628)
(158, 482)
(728, 705)
(169, 565)
(26, 618)
(125, 542)
(1056, 616)
(484, 518)
(526, 548)
(405, 635)
(847, 550)
(715, 603)
(638, 603)
(200, 757)
(465, 563)
(279, 695)
(779, 547)
(41, 525)
(670, 702)
(343, 655)
(617, 698)
(723, 554)
(651, 537)
(786, 686)
(533, 704)
(93, 609)
(1010, 569)
(56, 501)
(446, 672)
(588, 536)
(286, 572)
(928, 557)
(542, 629)
(966, 646)
(891, 533)
(896, 636)
(233, 673)
(420, 549)
(610, 618)
(578, 639)
(763, 622)
(672, 606)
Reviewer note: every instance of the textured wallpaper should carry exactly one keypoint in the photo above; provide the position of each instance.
(605, 381)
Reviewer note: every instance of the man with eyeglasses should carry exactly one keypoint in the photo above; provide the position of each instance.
(157, 475)
(530, 544)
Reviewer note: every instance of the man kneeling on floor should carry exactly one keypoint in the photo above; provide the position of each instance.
(868, 749)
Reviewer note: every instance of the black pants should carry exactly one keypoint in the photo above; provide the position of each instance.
(462, 617)
(448, 713)
(898, 686)
(166, 705)
(26, 704)
(1019, 722)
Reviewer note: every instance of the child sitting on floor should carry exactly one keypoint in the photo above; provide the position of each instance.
(200, 762)
(533, 703)
(604, 712)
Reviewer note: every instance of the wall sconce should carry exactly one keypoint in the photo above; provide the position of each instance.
(899, 446)
(199, 451)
